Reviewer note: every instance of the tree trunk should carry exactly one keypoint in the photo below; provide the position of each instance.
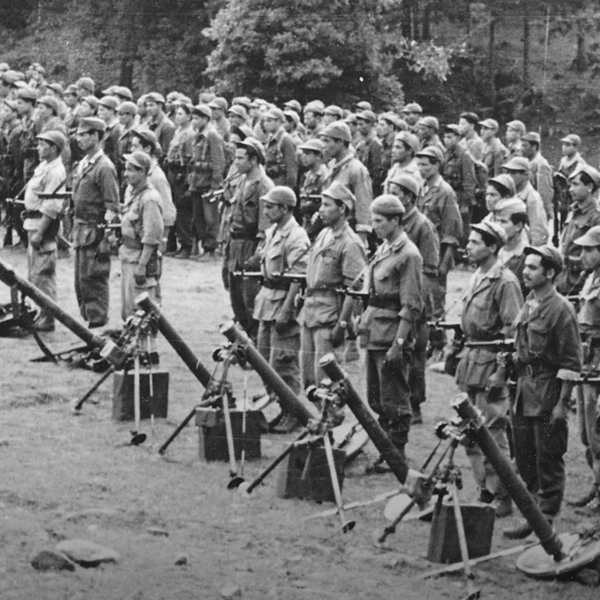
(580, 59)
(492, 61)
(128, 38)
(526, 48)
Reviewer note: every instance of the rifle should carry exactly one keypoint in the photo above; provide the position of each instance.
(506, 368)
(451, 359)
(214, 195)
(11, 217)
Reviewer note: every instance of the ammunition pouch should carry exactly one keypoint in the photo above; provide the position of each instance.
(154, 266)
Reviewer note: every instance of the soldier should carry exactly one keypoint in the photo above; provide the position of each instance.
(540, 171)
(126, 113)
(85, 87)
(438, 202)
(518, 169)
(490, 307)
(583, 215)
(588, 404)
(284, 250)
(470, 139)
(388, 125)
(412, 113)
(331, 114)
(219, 106)
(427, 130)
(336, 261)
(178, 158)
(172, 100)
(494, 152)
(548, 361)
(459, 172)
(292, 125)
(369, 149)
(421, 232)
(47, 119)
(311, 184)
(142, 233)
(282, 160)
(42, 219)
(405, 146)
(248, 224)
(158, 121)
(392, 320)
(515, 130)
(237, 115)
(570, 162)
(107, 111)
(345, 168)
(26, 99)
(313, 116)
(96, 201)
(207, 170)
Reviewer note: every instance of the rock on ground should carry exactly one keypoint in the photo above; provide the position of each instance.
(46, 560)
(87, 554)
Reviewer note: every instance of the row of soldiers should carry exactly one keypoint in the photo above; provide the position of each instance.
(418, 221)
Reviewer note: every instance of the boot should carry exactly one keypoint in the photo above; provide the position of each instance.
(585, 499)
(43, 323)
(378, 467)
(287, 424)
(183, 253)
(503, 507)
(521, 531)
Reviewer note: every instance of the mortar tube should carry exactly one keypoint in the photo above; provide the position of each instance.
(513, 482)
(382, 442)
(289, 401)
(10, 278)
(199, 371)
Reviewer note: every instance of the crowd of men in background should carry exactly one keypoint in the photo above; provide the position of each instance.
(302, 196)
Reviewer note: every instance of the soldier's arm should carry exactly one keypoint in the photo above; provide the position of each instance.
(469, 181)
(109, 187)
(411, 297)
(545, 186)
(510, 301)
(217, 154)
(363, 191)
(290, 157)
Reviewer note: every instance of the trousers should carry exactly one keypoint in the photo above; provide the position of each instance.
(92, 272)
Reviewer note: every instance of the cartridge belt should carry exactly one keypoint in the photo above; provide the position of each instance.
(242, 236)
(391, 303)
(31, 214)
(276, 284)
(320, 291)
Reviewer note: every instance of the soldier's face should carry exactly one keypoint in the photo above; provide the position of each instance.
(242, 161)
(135, 144)
(398, 191)
(332, 146)
(181, 117)
(492, 197)
(274, 212)
(85, 140)
(527, 149)
(400, 152)
(153, 108)
(310, 119)
(426, 167)
(105, 113)
(70, 99)
(23, 107)
(487, 133)
(133, 175)
(464, 126)
(383, 128)
(411, 118)
(450, 140)
(590, 257)
(363, 126)
(43, 112)
(519, 177)
(330, 212)
(578, 190)
(383, 226)
(44, 149)
(270, 125)
(85, 110)
(125, 118)
(534, 274)
(568, 149)
(308, 158)
(506, 223)
(329, 118)
(512, 135)
(236, 119)
(477, 251)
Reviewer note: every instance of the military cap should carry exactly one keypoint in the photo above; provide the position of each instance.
(139, 160)
(432, 152)
(363, 105)
(430, 122)
(255, 147)
(256, 103)
(292, 115)
(412, 107)
(517, 126)
(490, 124)
(532, 137)
(334, 110)
(54, 137)
(238, 110)
(517, 163)
(155, 97)
(20, 84)
(51, 102)
(550, 253)
(406, 181)
(338, 130)
(493, 229)
(350, 118)
(37, 67)
(147, 136)
(110, 90)
(280, 194)
(338, 191)
(123, 92)
(410, 139)
(91, 124)
(174, 96)
(56, 88)
(274, 113)
(242, 132)
(471, 117)
(590, 171)
(185, 100)
(4, 67)
(573, 139)
(451, 128)
(187, 106)
(591, 238)
(12, 105)
(27, 93)
(219, 103)
(10, 77)
(506, 181)
(313, 145)
(366, 115)
(127, 107)
(92, 101)
(294, 105)
(315, 106)
(86, 83)
(392, 118)
(202, 110)
(242, 101)
(71, 89)
(109, 102)
(510, 206)
(206, 97)
(387, 204)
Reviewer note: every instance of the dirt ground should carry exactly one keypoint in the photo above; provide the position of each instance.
(54, 467)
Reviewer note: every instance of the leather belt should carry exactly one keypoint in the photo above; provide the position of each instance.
(320, 291)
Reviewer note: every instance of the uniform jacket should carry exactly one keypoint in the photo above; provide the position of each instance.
(547, 339)
(459, 172)
(282, 159)
(110, 142)
(540, 176)
(494, 155)
(421, 232)
(207, 168)
(410, 169)
(141, 221)
(164, 129)
(369, 152)
(538, 222)
(473, 144)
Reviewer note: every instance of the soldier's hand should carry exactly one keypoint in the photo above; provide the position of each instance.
(559, 412)
(36, 240)
(284, 322)
(394, 354)
(337, 336)
(418, 487)
(140, 275)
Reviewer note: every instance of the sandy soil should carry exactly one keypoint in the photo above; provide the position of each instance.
(54, 466)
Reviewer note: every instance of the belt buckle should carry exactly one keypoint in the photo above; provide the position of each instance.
(529, 371)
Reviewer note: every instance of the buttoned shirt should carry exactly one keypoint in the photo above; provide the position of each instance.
(284, 251)
(547, 339)
(164, 129)
(422, 234)
(207, 168)
(247, 216)
(459, 172)
(540, 176)
(493, 156)
(335, 261)
(538, 222)
(473, 144)
(411, 168)
(588, 315)
(281, 159)
(158, 180)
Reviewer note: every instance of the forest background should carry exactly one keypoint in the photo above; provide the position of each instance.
(537, 61)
